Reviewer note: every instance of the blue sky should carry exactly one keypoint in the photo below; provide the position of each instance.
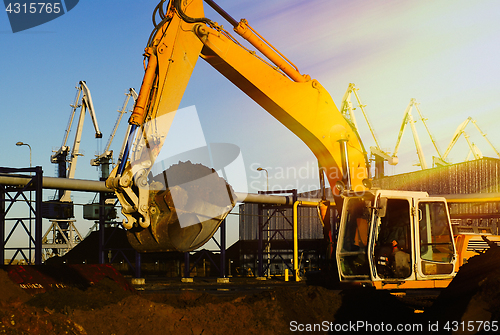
(442, 53)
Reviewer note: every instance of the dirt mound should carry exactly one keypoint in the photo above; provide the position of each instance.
(372, 306)
(474, 294)
(87, 251)
(10, 291)
(107, 308)
(268, 312)
(18, 317)
(198, 181)
(104, 293)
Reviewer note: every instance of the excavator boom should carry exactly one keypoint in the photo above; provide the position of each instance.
(271, 80)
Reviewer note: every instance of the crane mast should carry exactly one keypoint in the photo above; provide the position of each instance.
(83, 101)
(347, 110)
(434, 143)
(442, 161)
(408, 119)
(105, 159)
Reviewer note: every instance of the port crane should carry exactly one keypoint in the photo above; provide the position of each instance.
(105, 159)
(408, 119)
(62, 235)
(62, 156)
(347, 110)
(442, 160)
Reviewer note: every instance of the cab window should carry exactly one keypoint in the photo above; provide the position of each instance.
(436, 245)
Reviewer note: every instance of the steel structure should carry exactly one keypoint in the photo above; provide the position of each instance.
(61, 237)
(288, 247)
(105, 159)
(14, 183)
(221, 244)
(83, 101)
(30, 225)
(408, 119)
(104, 240)
(272, 232)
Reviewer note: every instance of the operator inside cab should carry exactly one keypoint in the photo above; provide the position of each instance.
(393, 241)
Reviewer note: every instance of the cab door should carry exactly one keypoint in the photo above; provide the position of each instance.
(434, 244)
(392, 242)
(352, 246)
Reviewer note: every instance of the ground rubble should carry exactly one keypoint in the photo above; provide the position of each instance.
(108, 308)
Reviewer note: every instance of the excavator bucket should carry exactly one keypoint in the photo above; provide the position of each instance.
(187, 203)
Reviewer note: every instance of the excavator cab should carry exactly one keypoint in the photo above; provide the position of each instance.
(395, 239)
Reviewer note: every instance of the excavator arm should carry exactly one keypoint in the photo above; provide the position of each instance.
(299, 103)
(304, 107)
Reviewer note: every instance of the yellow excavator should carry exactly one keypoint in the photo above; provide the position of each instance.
(386, 239)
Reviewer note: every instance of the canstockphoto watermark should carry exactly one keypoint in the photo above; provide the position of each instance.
(384, 327)
(356, 326)
(28, 14)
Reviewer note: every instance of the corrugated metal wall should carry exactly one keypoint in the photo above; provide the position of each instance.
(477, 176)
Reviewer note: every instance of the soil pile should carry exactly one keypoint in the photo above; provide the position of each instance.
(198, 181)
(268, 312)
(474, 294)
(106, 307)
(11, 292)
(18, 317)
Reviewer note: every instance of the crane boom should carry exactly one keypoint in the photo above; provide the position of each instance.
(104, 160)
(456, 136)
(427, 128)
(131, 93)
(347, 111)
(474, 122)
(83, 101)
(408, 118)
(473, 148)
(421, 157)
(74, 107)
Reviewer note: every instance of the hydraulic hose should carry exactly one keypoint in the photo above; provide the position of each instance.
(188, 19)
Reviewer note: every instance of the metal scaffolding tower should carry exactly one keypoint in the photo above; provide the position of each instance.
(221, 244)
(11, 221)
